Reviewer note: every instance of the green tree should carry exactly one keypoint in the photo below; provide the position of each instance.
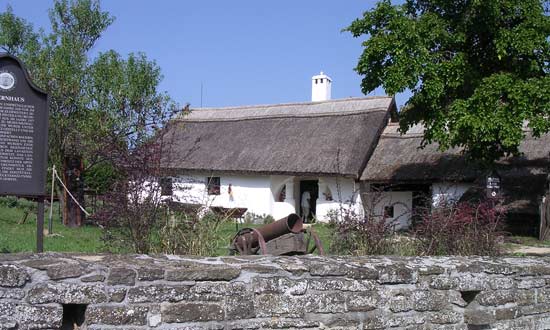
(477, 70)
(99, 107)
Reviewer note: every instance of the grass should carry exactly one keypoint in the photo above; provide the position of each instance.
(21, 237)
(529, 241)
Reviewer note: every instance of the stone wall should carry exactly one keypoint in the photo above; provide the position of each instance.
(168, 292)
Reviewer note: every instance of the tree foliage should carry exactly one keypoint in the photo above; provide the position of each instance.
(478, 70)
(94, 101)
(101, 108)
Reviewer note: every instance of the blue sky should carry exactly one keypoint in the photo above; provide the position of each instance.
(242, 52)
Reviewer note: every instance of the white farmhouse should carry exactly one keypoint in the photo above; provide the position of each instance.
(266, 158)
(408, 179)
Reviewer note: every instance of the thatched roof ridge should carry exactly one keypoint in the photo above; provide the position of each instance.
(398, 158)
(339, 107)
(316, 138)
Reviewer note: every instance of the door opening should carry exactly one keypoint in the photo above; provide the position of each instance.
(309, 191)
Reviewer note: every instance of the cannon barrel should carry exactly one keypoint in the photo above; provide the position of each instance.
(289, 224)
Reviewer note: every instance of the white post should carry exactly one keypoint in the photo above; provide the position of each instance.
(50, 226)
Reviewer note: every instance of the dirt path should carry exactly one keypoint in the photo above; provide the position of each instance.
(529, 250)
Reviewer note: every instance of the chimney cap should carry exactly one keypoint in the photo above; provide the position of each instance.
(322, 75)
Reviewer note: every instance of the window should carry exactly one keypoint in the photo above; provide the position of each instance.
(166, 186)
(388, 211)
(213, 185)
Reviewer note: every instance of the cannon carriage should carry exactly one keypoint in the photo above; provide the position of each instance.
(286, 236)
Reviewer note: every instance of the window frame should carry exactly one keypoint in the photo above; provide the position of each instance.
(211, 187)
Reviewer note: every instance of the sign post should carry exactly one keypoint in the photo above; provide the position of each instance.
(23, 137)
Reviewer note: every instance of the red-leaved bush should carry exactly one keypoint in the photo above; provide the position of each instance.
(461, 229)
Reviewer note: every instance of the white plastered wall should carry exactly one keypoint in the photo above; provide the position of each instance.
(345, 196)
(259, 193)
(401, 201)
(252, 192)
(448, 192)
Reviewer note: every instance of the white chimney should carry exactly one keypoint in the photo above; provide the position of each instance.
(320, 87)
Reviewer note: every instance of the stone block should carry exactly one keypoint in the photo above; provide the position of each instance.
(363, 301)
(150, 274)
(158, 293)
(279, 285)
(220, 288)
(12, 293)
(400, 304)
(531, 283)
(502, 297)
(121, 276)
(479, 316)
(116, 294)
(206, 273)
(326, 269)
(362, 273)
(397, 274)
(191, 312)
(423, 301)
(117, 315)
(501, 283)
(442, 283)
(239, 307)
(31, 317)
(508, 313)
(271, 305)
(445, 317)
(93, 278)
(471, 282)
(430, 270)
(341, 284)
(329, 302)
(67, 293)
(12, 276)
(406, 321)
(57, 272)
(375, 322)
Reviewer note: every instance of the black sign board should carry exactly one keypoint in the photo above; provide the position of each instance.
(23, 131)
(493, 187)
(23, 137)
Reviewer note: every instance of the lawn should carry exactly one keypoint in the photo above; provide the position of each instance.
(21, 237)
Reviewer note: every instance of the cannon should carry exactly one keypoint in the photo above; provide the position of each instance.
(286, 236)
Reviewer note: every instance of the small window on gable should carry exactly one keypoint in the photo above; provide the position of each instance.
(388, 211)
(166, 186)
(321, 80)
(316, 81)
(213, 185)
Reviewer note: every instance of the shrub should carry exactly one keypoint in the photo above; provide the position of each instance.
(187, 234)
(358, 235)
(461, 229)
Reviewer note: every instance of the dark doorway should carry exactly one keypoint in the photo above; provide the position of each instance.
(311, 186)
(73, 316)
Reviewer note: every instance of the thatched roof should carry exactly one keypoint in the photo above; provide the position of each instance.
(319, 138)
(398, 158)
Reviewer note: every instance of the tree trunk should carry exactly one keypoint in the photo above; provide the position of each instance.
(74, 180)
